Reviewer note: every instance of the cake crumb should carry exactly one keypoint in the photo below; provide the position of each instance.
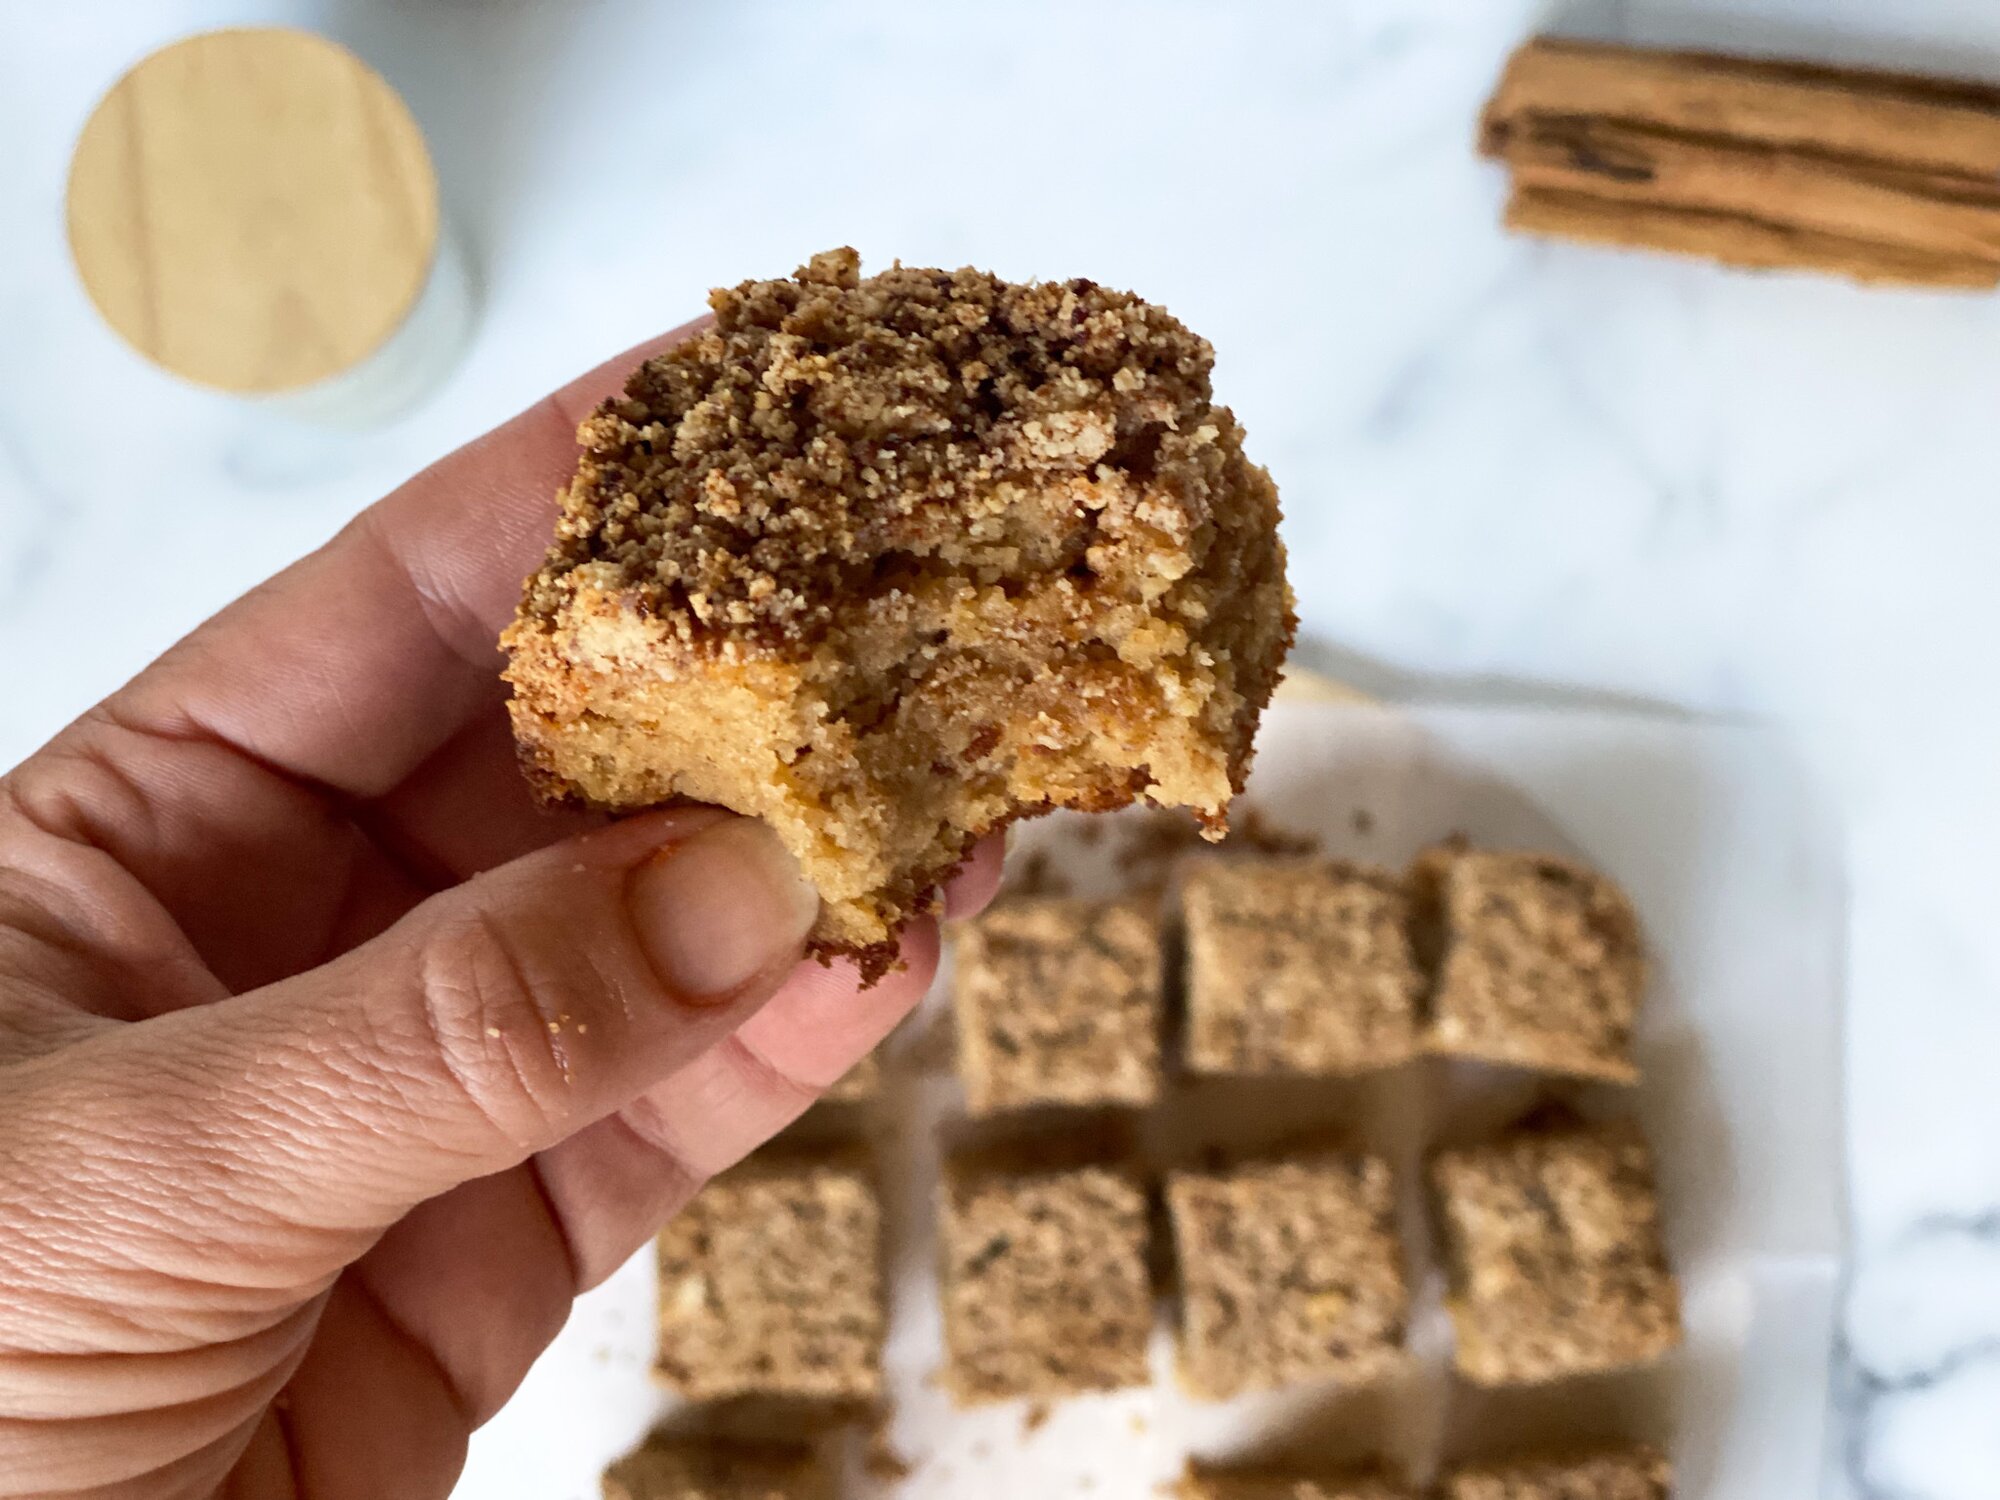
(1254, 831)
(1152, 845)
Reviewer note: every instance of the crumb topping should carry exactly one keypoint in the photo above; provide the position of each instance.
(831, 438)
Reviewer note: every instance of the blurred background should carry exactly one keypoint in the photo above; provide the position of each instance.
(1510, 469)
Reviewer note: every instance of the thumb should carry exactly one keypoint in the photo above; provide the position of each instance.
(492, 1021)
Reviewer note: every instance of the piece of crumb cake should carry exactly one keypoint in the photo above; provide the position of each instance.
(666, 1467)
(1203, 1482)
(771, 1284)
(1045, 1283)
(1542, 962)
(1298, 966)
(1554, 1260)
(1057, 1001)
(1635, 1473)
(1291, 1271)
(892, 562)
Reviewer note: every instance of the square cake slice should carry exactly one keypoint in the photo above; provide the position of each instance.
(690, 1468)
(1057, 1001)
(1298, 966)
(1635, 1473)
(891, 562)
(1045, 1282)
(1542, 965)
(771, 1284)
(1206, 1483)
(1553, 1255)
(1290, 1271)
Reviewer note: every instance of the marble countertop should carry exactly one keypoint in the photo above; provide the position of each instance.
(1507, 467)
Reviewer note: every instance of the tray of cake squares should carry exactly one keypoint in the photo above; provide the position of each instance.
(1465, 1125)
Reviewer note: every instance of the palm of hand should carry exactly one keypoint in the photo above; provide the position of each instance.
(300, 1167)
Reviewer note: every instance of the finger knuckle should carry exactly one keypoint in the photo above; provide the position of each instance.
(495, 1009)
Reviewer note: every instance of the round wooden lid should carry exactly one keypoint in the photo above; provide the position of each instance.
(253, 209)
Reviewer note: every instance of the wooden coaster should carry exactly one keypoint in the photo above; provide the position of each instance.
(253, 209)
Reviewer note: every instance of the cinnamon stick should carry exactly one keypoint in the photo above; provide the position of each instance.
(1861, 201)
(1948, 125)
(1874, 175)
(1733, 241)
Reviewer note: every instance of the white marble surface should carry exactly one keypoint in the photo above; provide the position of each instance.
(1504, 464)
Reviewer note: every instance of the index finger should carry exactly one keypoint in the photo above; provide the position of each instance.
(353, 665)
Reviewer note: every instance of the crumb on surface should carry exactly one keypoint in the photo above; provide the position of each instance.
(1255, 833)
(1553, 1254)
(1298, 966)
(1290, 1271)
(1152, 845)
(1155, 844)
(890, 562)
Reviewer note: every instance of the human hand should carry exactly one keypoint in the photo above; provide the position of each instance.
(331, 1069)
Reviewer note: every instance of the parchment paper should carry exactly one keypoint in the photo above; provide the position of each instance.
(1735, 874)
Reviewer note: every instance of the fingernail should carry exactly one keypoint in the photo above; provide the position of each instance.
(716, 910)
